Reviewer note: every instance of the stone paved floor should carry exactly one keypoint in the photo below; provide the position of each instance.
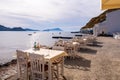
(101, 62)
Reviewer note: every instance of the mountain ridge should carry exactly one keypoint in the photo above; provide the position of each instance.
(53, 29)
(3, 28)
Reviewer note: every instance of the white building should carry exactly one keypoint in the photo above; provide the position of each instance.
(110, 25)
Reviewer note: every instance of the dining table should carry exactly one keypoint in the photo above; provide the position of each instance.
(50, 57)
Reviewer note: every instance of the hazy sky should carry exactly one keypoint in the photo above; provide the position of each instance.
(68, 15)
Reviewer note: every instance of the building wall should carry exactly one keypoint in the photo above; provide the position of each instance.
(111, 25)
(113, 22)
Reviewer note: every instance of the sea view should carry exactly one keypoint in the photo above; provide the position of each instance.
(59, 40)
(10, 41)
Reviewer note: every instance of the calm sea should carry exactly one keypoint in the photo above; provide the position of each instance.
(10, 41)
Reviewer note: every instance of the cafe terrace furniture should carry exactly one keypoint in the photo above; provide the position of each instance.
(50, 57)
(37, 63)
(58, 48)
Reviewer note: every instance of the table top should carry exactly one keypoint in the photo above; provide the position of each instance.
(48, 54)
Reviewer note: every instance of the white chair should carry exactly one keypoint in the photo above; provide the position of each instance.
(37, 66)
(69, 48)
(58, 48)
(22, 64)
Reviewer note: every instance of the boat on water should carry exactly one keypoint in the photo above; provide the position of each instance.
(60, 37)
(76, 32)
(30, 34)
(79, 35)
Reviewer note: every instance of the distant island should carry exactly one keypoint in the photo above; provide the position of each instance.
(53, 29)
(3, 28)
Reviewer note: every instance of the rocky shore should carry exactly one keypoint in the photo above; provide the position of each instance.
(8, 69)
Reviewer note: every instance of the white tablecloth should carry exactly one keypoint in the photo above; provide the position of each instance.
(48, 54)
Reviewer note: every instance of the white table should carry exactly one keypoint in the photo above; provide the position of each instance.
(50, 56)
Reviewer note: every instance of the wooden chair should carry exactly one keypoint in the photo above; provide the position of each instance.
(37, 66)
(69, 48)
(22, 65)
(58, 48)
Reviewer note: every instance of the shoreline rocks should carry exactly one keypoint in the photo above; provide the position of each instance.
(13, 61)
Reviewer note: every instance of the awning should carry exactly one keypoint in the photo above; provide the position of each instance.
(110, 4)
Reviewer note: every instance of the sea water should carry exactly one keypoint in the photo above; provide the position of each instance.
(10, 41)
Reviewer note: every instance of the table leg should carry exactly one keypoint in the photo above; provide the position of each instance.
(62, 67)
(49, 71)
(18, 70)
(57, 71)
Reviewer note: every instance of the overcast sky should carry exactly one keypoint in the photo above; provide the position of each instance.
(68, 15)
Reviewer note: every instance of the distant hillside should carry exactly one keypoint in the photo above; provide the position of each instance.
(27, 29)
(54, 29)
(3, 28)
(98, 19)
(17, 29)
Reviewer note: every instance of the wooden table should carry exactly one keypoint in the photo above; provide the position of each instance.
(50, 56)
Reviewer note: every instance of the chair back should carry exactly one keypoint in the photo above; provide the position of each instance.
(22, 63)
(37, 66)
